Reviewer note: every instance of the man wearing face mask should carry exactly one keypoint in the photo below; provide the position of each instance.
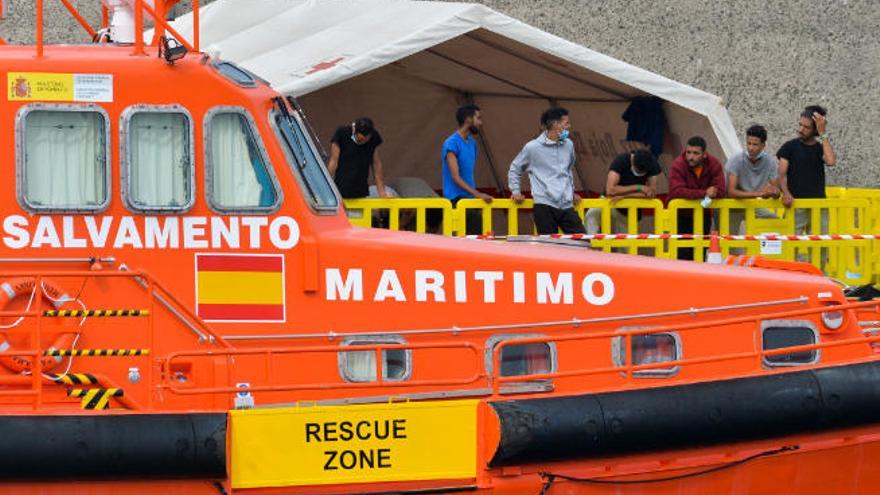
(753, 173)
(353, 152)
(632, 174)
(695, 174)
(549, 159)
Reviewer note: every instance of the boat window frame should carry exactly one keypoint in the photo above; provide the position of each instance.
(806, 324)
(342, 357)
(125, 158)
(494, 340)
(249, 84)
(21, 165)
(207, 127)
(617, 343)
(291, 165)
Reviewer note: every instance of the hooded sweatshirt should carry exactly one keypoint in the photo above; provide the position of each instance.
(549, 164)
(685, 183)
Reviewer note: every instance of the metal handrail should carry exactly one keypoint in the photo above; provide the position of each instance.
(628, 368)
(477, 375)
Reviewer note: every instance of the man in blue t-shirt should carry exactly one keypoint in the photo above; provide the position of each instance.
(459, 156)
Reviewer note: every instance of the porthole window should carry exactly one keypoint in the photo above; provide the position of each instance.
(521, 359)
(648, 349)
(158, 170)
(240, 177)
(63, 158)
(779, 334)
(360, 366)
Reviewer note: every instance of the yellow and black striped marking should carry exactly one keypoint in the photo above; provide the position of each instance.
(95, 398)
(74, 378)
(97, 352)
(95, 312)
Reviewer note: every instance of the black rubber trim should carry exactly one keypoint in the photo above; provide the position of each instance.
(129, 446)
(665, 418)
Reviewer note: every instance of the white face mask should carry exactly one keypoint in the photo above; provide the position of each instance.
(636, 172)
(760, 155)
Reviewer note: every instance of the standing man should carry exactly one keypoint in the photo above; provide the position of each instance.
(802, 163)
(353, 152)
(632, 174)
(459, 156)
(695, 174)
(751, 174)
(549, 159)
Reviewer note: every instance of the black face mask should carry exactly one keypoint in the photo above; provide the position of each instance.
(474, 129)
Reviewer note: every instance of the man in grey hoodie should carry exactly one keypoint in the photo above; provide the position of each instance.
(549, 159)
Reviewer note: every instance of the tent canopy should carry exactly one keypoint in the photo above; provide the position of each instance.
(409, 64)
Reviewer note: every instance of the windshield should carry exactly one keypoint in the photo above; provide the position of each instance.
(315, 182)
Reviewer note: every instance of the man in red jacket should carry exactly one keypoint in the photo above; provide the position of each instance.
(695, 174)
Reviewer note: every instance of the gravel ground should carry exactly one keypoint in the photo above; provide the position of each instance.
(766, 59)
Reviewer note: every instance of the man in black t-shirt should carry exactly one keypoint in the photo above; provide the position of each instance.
(802, 163)
(631, 175)
(353, 152)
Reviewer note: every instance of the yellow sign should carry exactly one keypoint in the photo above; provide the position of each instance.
(43, 86)
(324, 445)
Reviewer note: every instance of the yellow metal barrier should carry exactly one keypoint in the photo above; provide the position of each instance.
(845, 211)
(632, 207)
(361, 212)
(501, 216)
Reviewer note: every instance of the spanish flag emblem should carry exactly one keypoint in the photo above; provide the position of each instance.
(240, 287)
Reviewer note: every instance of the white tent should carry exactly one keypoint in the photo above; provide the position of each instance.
(409, 64)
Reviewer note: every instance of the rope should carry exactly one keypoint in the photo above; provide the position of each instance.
(551, 477)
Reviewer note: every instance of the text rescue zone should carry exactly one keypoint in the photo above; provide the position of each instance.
(346, 431)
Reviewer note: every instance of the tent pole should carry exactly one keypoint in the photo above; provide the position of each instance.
(468, 98)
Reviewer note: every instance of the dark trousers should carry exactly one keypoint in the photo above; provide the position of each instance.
(549, 220)
(473, 220)
(686, 226)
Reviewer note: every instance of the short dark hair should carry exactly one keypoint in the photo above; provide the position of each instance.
(363, 126)
(464, 112)
(697, 141)
(810, 110)
(551, 115)
(757, 131)
(643, 160)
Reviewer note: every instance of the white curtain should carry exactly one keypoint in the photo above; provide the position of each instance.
(159, 174)
(234, 158)
(65, 166)
(360, 366)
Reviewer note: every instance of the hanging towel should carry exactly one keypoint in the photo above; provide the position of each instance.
(646, 122)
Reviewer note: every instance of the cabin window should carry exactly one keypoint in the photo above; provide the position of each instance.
(648, 349)
(235, 74)
(303, 159)
(62, 157)
(240, 178)
(521, 359)
(158, 159)
(779, 334)
(360, 366)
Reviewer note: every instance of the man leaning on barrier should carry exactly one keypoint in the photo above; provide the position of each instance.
(751, 174)
(802, 163)
(695, 174)
(459, 155)
(631, 175)
(549, 159)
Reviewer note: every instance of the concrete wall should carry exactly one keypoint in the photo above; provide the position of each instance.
(766, 59)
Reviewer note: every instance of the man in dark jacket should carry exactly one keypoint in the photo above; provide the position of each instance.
(695, 174)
